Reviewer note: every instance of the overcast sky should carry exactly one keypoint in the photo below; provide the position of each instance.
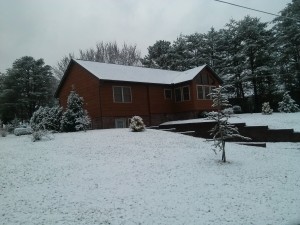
(50, 29)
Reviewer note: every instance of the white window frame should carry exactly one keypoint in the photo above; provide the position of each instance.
(122, 87)
(205, 97)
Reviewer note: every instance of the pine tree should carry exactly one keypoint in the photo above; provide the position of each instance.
(288, 105)
(75, 117)
(287, 36)
(223, 130)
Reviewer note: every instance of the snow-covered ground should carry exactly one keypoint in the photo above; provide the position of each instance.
(275, 120)
(154, 177)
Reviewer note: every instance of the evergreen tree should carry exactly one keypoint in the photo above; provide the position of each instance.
(29, 83)
(75, 117)
(287, 37)
(288, 105)
(158, 55)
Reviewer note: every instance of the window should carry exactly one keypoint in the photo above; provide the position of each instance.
(203, 91)
(177, 94)
(182, 94)
(122, 94)
(120, 123)
(168, 94)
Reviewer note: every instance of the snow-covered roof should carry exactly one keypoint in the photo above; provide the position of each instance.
(114, 72)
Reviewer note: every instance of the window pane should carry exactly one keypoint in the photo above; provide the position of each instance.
(186, 93)
(200, 92)
(126, 94)
(168, 94)
(206, 91)
(177, 95)
(117, 94)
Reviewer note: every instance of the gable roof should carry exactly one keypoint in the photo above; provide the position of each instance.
(115, 72)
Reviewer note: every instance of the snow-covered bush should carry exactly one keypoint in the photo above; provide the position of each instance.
(75, 118)
(288, 105)
(3, 132)
(266, 109)
(228, 111)
(22, 131)
(136, 124)
(237, 109)
(46, 118)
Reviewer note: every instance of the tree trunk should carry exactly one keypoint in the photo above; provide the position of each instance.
(223, 152)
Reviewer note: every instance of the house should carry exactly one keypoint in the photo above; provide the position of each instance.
(114, 93)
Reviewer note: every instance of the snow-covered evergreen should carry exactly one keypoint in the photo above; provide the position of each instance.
(137, 124)
(75, 118)
(288, 105)
(266, 109)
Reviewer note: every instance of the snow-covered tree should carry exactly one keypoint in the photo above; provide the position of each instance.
(137, 124)
(266, 109)
(223, 130)
(75, 118)
(27, 84)
(287, 40)
(288, 105)
(46, 118)
(158, 55)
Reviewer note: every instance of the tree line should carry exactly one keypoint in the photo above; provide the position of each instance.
(256, 58)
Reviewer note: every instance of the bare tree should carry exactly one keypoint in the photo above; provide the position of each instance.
(103, 52)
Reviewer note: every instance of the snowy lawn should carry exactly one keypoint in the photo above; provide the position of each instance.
(275, 120)
(154, 177)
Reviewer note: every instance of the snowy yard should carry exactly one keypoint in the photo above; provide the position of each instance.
(154, 177)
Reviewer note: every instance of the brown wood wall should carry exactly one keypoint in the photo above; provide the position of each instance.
(148, 100)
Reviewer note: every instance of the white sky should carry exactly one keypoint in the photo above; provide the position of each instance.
(50, 29)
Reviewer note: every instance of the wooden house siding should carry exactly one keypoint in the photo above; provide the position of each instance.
(86, 85)
(147, 100)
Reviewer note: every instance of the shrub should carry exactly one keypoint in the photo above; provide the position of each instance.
(22, 131)
(237, 109)
(136, 124)
(288, 105)
(46, 118)
(3, 132)
(266, 109)
(228, 111)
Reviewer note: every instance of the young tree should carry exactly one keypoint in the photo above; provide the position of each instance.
(288, 105)
(29, 83)
(75, 118)
(223, 130)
